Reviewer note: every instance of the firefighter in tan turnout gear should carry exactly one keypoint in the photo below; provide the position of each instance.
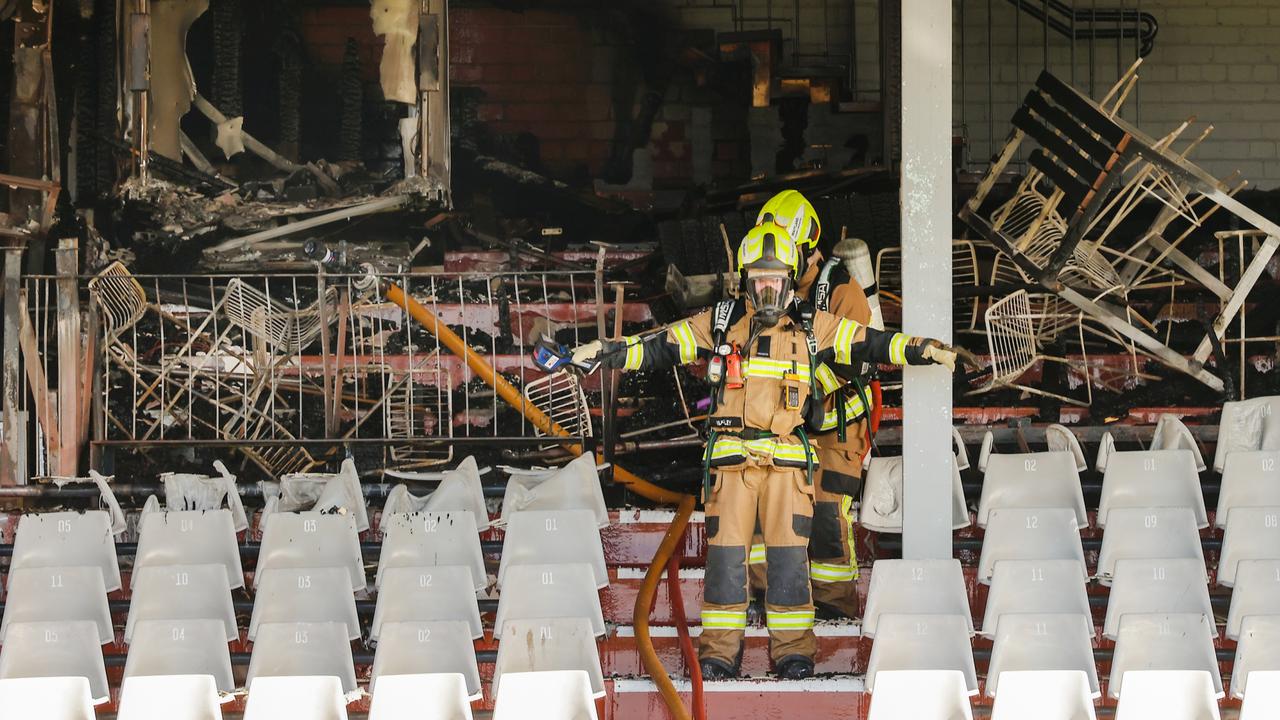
(842, 441)
(758, 461)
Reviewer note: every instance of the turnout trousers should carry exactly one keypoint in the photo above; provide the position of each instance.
(833, 566)
(781, 501)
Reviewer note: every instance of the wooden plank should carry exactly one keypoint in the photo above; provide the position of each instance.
(1075, 189)
(1080, 106)
(12, 463)
(1247, 280)
(1085, 167)
(1068, 125)
(46, 414)
(69, 370)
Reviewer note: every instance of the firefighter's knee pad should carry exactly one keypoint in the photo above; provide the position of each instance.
(838, 483)
(828, 531)
(788, 575)
(726, 582)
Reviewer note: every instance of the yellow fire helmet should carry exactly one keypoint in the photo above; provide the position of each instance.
(794, 215)
(767, 248)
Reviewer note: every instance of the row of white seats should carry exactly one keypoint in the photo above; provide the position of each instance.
(542, 695)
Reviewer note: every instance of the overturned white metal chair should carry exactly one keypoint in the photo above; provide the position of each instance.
(426, 647)
(545, 537)
(1163, 642)
(1030, 534)
(1253, 533)
(435, 696)
(48, 698)
(1155, 532)
(1250, 478)
(57, 594)
(1014, 331)
(923, 642)
(318, 697)
(311, 539)
(1044, 695)
(181, 592)
(1043, 642)
(310, 595)
(302, 650)
(443, 592)
(1168, 695)
(431, 538)
(909, 694)
(576, 486)
(56, 650)
(1037, 587)
(533, 645)
(550, 695)
(181, 647)
(169, 697)
(923, 587)
(549, 591)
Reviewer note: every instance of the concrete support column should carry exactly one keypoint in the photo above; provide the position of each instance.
(926, 273)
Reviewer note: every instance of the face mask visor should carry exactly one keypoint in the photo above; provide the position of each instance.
(769, 293)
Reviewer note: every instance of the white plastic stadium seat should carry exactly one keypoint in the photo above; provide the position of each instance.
(1037, 587)
(459, 489)
(1030, 534)
(1172, 434)
(1150, 478)
(1249, 479)
(1256, 592)
(552, 695)
(189, 537)
(1263, 702)
(312, 595)
(202, 493)
(67, 539)
(1142, 586)
(1156, 532)
(47, 698)
(57, 594)
(1163, 642)
(545, 537)
(426, 648)
(55, 649)
(552, 644)
(1257, 651)
(923, 642)
(181, 647)
(1168, 695)
(410, 594)
(881, 506)
(438, 696)
(576, 486)
(1253, 533)
(302, 649)
(911, 694)
(310, 540)
(426, 539)
(169, 697)
(323, 492)
(318, 697)
(1044, 695)
(1032, 480)
(1048, 643)
(549, 591)
(1247, 425)
(924, 587)
(181, 592)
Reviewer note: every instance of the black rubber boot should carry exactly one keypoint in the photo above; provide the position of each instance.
(795, 667)
(713, 669)
(823, 611)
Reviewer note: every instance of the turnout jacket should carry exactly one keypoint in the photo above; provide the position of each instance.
(755, 425)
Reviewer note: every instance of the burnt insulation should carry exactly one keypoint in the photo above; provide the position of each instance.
(228, 29)
(351, 130)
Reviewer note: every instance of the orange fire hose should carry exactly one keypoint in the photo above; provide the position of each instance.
(633, 482)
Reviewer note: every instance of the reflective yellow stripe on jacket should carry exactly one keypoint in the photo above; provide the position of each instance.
(853, 409)
(846, 331)
(688, 345)
(635, 352)
(774, 369)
